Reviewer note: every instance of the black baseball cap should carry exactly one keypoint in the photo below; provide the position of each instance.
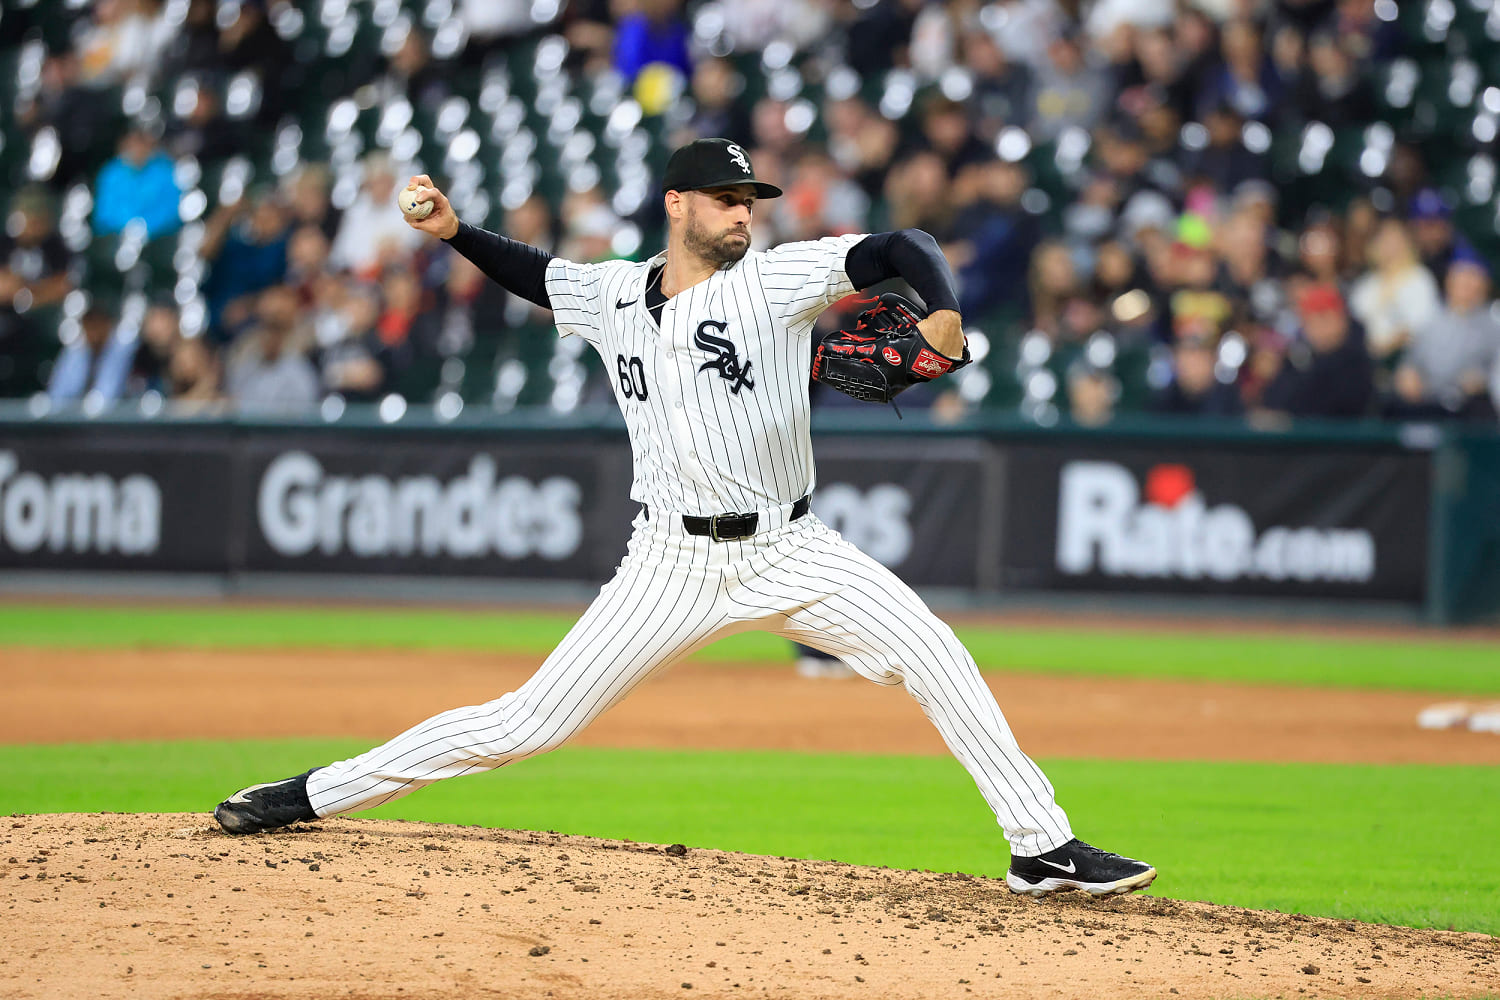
(710, 163)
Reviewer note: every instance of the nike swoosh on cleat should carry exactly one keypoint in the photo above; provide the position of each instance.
(1071, 867)
(622, 305)
(243, 794)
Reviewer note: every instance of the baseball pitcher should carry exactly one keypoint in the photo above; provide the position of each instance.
(709, 347)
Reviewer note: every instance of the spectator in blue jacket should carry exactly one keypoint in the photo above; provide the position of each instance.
(245, 244)
(1244, 79)
(137, 184)
(993, 237)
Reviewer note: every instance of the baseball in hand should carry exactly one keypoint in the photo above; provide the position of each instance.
(413, 208)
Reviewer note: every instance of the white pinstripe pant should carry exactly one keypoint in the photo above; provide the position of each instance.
(675, 593)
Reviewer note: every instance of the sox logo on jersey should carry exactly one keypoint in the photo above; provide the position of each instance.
(726, 358)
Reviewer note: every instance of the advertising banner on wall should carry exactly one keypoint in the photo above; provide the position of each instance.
(220, 499)
(114, 500)
(1060, 513)
(916, 507)
(1294, 521)
(411, 505)
(561, 509)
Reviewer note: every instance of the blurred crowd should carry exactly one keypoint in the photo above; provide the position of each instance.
(1102, 177)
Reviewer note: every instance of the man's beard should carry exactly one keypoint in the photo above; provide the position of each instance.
(720, 250)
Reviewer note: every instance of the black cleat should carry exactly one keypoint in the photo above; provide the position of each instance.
(1076, 865)
(266, 807)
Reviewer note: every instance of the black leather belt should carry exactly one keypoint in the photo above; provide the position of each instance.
(724, 527)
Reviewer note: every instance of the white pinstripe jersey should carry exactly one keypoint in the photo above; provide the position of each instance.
(715, 399)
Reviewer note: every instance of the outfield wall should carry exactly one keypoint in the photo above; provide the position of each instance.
(1361, 515)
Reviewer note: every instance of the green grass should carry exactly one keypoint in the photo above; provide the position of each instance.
(1390, 844)
(1438, 665)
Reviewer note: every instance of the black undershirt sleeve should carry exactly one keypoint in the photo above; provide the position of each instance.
(519, 268)
(909, 254)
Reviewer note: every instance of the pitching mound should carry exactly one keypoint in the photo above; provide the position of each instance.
(166, 906)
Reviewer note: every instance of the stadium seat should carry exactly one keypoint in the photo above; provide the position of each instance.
(25, 370)
(156, 272)
(477, 379)
(419, 382)
(1001, 363)
(103, 276)
(13, 153)
(1434, 114)
(226, 181)
(1396, 85)
(1130, 368)
(10, 74)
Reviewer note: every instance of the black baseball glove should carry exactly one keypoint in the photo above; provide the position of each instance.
(883, 355)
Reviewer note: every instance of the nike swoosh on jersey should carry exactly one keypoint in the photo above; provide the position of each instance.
(622, 305)
(1071, 867)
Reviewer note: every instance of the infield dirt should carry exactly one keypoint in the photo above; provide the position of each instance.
(55, 696)
(165, 906)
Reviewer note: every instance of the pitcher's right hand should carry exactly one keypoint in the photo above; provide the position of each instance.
(442, 222)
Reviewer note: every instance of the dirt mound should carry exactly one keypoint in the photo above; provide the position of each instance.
(165, 906)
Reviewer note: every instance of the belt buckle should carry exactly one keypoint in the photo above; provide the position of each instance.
(713, 527)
